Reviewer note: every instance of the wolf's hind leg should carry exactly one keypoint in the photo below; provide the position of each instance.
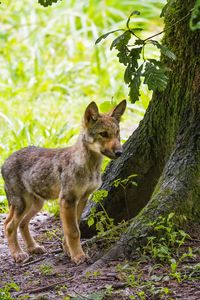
(9, 217)
(11, 225)
(32, 245)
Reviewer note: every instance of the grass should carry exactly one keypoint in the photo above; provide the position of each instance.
(50, 69)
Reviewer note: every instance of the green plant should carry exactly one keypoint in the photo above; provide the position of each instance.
(130, 274)
(131, 53)
(5, 291)
(141, 295)
(101, 219)
(194, 272)
(124, 183)
(131, 280)
(143, 286)
(46, 269)
(174, 264)
(166, 239)
(109, 289)
(54, 234)
(159, 292)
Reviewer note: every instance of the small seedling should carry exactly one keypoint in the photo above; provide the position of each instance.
(101, 219)
(5, 291)
(109, 289)
(46, 269)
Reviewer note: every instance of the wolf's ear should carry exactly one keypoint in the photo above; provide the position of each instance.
(118, 110)
(91, 113)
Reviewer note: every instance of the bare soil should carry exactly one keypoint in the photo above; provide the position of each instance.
(54, 276)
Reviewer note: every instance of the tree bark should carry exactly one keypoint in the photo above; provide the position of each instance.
(164, 151)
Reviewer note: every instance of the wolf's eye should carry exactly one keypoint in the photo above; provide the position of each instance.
(104, 134)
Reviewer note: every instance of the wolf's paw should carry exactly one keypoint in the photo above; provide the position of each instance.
(37, 249)
(80, 258)
(20, 256)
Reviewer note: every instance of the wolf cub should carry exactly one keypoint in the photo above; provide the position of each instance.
(33, 175)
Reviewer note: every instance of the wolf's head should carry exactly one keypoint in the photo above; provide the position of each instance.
(102, 132)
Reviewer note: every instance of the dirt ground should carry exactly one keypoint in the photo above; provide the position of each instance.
(53, 276)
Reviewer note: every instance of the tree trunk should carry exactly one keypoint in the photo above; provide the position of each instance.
(164, 151)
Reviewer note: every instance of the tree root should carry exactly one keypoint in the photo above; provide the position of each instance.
(177, 191)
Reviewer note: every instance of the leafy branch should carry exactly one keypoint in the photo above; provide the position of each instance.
(138, 68)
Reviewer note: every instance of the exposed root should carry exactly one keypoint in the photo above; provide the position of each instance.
(113, 254)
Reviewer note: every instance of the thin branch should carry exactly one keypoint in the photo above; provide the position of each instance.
(131, 31)
(41, 258)
(183, 18)
(33, 261)
(46, 287)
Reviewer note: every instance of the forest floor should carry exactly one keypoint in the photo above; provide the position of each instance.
(54, 276)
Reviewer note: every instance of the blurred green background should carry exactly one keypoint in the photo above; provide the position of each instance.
(50, 69)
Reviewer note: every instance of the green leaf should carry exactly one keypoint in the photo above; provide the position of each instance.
(90, 221)
(121, 40)
(156, 62)
(46, 3)
(155, 77)
(99, 195)
(173, 265)
(103, 36)
(164, 50)
(195, 17)
(134, 86)
(128, 74)
(139, 42)
(123, 55)
(135, 55)
(170, 216)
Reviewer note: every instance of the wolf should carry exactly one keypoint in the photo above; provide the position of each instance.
(33, 175)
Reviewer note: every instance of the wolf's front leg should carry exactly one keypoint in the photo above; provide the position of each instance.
(68, 215)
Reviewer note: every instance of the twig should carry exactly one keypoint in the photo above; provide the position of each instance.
(106, 277)
(183, 18)
(56, 251)
(41, 258)
(119, 285)
(82, 296)
(46, 287)
(32, 262)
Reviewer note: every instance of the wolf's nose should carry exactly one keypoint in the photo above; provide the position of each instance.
(118, 153)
